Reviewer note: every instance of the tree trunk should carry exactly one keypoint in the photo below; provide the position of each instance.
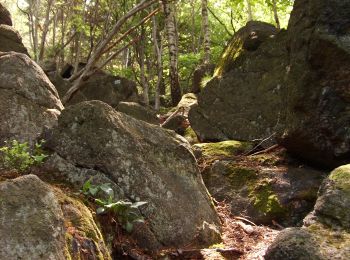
(158, 53)
(277, 20)
(173, 51)
(206, 32)
(193, 29)
(249, 10)
(45, 29)
(143, 78)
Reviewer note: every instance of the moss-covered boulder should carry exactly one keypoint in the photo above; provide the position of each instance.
(263, 187)
(42, 222)
(29, 103)
(142, 162)
(244, 100)
(326, 230)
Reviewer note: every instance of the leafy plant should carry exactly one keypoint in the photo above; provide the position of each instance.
(20, 157)
(125, 211)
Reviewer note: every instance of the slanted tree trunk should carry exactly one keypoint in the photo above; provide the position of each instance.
(275, 13)
(170, 24)
(206, 32)
(100, 49)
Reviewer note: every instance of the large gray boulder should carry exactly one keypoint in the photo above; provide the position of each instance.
(5, 16)
(28, 101)
(10, 40)
(142, 162)
(326, 230)
(139, 112)
(40, 222)
(318, 82)
(100, 86)
(243, 101)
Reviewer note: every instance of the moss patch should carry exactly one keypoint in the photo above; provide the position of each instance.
(190, 135)
(265, 200)
(341, 177)
(240, 176)
(225, 148)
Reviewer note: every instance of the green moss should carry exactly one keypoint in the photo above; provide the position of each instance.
(265, 200)
(68, 250)
(225, 148)
(190, 135)
(341, 177)
(240, 176)
(266, 159)
(329, 239)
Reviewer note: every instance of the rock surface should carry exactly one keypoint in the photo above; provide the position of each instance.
(264, 188)
(244, 100)
(139, 112)
(318, 82)
(142, 162)
(28, 101)
(10, 40)
(5, 16)
(38, 221)
(326, 230)
(100, 86)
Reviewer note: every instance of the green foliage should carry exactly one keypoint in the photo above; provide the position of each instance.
(20, 157)
(103, 195)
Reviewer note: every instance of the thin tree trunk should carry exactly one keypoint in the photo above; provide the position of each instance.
(249, 10)
(45, 29)
(173, 51)
(193, 43)
(206, 32)
(159, 63)
(143, 78)
(277, 20)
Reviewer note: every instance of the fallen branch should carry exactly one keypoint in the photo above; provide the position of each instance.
(173, 115)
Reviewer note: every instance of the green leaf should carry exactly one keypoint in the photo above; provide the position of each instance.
(107, 189)
(129, 226)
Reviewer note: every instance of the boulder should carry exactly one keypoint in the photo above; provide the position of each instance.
(28, 101)
(10, 40)
(263, 187)
(41, 222)
(177, 123)
(326, 230)
(139, 112)
(244, 99)
(143, 162)
(100, 86)
(318, 94)
(5, 16)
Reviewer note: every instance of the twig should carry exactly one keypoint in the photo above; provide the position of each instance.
(266, 150)
(173, 114)
(244, 219)
(260, 143)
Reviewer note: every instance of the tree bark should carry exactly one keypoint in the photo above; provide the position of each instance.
(158, 53)
(249, 11)
(170, 24)
(275, 13)
(206, 32)
(45, 29)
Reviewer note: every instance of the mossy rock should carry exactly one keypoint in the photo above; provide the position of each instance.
(225, 148)
(190, 135)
